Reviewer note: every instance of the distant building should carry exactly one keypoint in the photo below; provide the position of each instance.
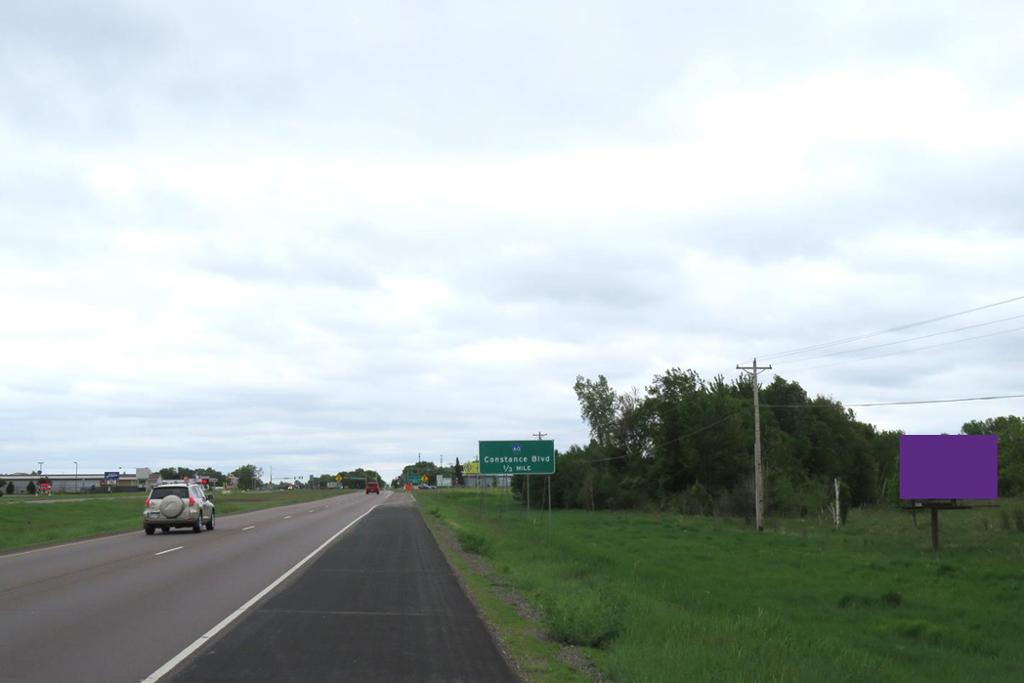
(84, 482)
(488, 481)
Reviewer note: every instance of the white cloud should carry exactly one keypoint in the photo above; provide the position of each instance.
(342, 237)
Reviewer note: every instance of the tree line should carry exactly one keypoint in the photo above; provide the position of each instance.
(687, 443)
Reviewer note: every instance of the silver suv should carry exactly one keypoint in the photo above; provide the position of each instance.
(177, 504)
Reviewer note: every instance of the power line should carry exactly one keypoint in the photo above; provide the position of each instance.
(917, 348)
(818, 347)
(896, 403)
(678, 438)
(904, 341)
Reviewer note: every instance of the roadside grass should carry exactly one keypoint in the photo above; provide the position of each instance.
(537, 658)
(29, 520)
(667, 597)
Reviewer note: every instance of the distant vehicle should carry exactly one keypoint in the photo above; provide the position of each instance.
(423, 487)
(373, 487)
(177, 504)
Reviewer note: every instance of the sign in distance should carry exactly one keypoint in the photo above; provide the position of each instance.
(517, 457)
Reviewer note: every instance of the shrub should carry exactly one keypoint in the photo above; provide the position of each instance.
(586, 617)
(888, 599)
(1018, 519)
(474, 543)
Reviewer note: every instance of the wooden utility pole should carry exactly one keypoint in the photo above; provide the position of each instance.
(836, 515)
(758, 466)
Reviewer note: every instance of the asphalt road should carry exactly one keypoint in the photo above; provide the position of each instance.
(381, 604)
(117, 608)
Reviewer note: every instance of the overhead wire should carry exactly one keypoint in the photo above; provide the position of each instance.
(892, 403)
(773, 357)
(917, 348)
(905, 341)
(678, 438)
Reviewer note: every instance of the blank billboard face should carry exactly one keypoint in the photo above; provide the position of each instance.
(963, 467)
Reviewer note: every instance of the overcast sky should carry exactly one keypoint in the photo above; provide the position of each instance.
(333, 235)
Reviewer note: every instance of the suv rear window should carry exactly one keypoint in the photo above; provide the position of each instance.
(163, 492)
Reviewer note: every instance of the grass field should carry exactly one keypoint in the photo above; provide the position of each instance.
(665, 597)
(31, 520)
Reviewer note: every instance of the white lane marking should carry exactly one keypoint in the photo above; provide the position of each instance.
(198, 642)
(313, 510)
(171, 550)
(246, 528)
(412, 496)
(287, 516)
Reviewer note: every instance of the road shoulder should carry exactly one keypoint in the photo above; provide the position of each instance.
(514, 624)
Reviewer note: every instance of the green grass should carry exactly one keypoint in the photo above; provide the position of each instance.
(29, 520)
(665, 597)
(537, 659)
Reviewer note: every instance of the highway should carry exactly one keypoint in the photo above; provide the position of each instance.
(133, 607)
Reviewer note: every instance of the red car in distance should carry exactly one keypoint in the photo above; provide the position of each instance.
(372, 487)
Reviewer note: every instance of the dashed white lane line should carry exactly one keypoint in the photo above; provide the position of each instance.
(170, 550)
(313, 510)
(198, 642)
(246, 528)
(287, 516)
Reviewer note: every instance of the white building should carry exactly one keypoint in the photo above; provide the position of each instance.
(83, 482)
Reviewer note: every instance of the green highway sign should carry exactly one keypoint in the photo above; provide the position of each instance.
(517, 457)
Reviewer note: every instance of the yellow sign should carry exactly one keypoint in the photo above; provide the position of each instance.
(338, 477)
(424, 479)
(471, 467)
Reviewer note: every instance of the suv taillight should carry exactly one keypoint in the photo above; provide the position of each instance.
(191, 500)
(147, 502)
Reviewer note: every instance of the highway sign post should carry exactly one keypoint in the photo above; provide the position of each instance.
(525, 457)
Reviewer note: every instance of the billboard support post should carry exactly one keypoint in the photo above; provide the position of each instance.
(937, 472)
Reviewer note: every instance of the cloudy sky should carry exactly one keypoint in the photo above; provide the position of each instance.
(333, 234)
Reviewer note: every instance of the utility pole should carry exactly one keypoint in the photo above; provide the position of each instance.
(758, 466)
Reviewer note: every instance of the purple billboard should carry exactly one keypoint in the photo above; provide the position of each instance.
(961, 467)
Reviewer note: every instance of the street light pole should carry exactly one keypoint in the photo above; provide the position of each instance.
(76, 476)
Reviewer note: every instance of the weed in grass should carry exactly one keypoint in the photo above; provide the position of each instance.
(943, 637)
(1018, 519)
(474, 543)
(584, 616)
(945, 570)
(888, 599)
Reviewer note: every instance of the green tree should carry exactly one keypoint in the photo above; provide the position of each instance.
(248, 477)
(597, 405)
(10, 487)
(457, 473)
(1010, 430)
(31, 488)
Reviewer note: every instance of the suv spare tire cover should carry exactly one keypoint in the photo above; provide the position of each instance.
(171, 506)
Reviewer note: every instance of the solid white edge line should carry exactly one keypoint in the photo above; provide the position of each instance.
(246, 528)
(168, 551)
(198, 642)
